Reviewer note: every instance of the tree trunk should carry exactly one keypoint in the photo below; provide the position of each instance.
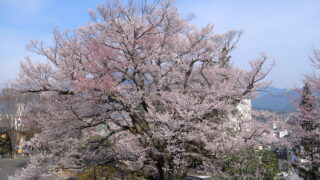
(159, 166)
(175, 176)
(12, 136)
(166, 170)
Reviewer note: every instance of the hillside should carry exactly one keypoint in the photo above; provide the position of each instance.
(276, 100)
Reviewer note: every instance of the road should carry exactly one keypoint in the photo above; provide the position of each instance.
(9, 166)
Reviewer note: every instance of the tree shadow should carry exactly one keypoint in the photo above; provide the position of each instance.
(21, 164)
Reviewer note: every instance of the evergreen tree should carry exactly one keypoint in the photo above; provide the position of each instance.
(308, 135)
(307, 106)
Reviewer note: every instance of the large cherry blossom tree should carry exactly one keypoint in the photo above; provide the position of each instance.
(164, 93)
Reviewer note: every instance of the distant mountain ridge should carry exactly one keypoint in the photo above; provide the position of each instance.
(276, 100)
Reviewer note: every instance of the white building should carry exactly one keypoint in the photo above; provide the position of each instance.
(244, 109)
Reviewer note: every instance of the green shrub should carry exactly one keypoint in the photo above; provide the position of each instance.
(251, 164)
(5, 146)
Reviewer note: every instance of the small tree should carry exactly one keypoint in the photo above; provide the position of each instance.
(307, 107)
(163, 91)
(308, 133)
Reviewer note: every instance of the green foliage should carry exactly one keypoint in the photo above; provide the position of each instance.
(251, 164)
(5, 145)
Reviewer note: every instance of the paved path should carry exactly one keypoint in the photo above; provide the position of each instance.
(9, 166)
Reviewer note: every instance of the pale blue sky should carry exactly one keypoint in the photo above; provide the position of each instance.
(285, 30)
